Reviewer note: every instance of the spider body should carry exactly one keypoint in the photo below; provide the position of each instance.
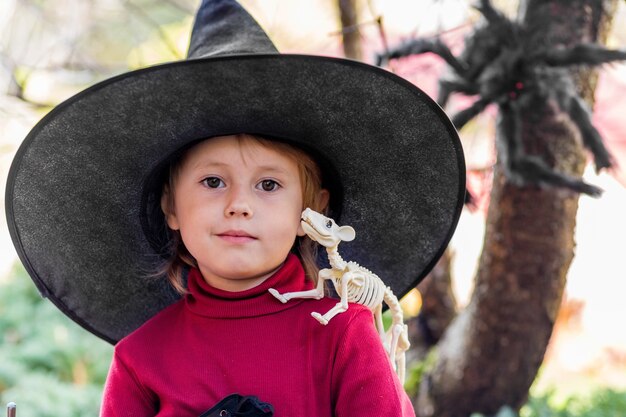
(501, 64)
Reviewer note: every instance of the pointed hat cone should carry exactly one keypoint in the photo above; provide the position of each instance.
(223, 27)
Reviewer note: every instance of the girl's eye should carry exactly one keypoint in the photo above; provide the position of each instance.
(269, 185)
(213, 182)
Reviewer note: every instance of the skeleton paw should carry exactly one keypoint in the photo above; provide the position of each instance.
(277, 295)
(320, 318)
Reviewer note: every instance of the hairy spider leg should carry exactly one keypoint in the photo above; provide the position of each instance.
(579, 113)
(447, 87)
(523, 169)
(582, 54)
(461, 118)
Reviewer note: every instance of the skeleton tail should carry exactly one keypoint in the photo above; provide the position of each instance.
(397, 317)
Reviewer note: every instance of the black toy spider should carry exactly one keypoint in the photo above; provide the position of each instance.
(501, 65)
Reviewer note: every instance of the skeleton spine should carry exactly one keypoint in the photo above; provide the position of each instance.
(335, 260)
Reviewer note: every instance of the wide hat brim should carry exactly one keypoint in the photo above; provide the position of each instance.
(81, 193)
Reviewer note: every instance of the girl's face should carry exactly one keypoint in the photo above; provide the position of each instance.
(237, 205)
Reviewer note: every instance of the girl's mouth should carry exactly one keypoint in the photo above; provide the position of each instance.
(236, 236)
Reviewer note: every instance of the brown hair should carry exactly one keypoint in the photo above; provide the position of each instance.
(311, 184)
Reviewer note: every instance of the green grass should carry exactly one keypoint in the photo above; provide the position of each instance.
(598, 402)
(591, 400)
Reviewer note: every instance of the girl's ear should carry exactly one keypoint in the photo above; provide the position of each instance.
(167, 206)
(300, 231)
(322, 200)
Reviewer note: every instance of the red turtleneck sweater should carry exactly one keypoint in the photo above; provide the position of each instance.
(214, 343)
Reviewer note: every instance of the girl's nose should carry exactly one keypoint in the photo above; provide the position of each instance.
(238, 205)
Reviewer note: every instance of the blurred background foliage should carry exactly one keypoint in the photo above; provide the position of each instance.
(77, 43)
(50, 366)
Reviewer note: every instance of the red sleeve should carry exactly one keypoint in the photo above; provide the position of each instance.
(363, 381)
(123, 394)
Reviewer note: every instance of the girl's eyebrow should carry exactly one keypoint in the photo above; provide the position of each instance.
(219, 164)
(203, 163)
(272, 168)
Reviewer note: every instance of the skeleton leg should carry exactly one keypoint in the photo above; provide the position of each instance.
(341, 306)
(400, 344)
(401, 366)
(316, 293)
(396, 329)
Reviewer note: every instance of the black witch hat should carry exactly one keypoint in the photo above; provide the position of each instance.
(83, 192)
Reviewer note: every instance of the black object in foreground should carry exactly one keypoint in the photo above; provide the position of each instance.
(236, 405)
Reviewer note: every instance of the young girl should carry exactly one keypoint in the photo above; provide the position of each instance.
(206, 164)
(235, 202)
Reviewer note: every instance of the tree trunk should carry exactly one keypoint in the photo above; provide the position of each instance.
(350, 29)
(490, 354)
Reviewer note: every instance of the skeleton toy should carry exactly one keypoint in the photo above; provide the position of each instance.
(354, 284)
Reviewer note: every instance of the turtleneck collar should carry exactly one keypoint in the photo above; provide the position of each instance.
(208, 301)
